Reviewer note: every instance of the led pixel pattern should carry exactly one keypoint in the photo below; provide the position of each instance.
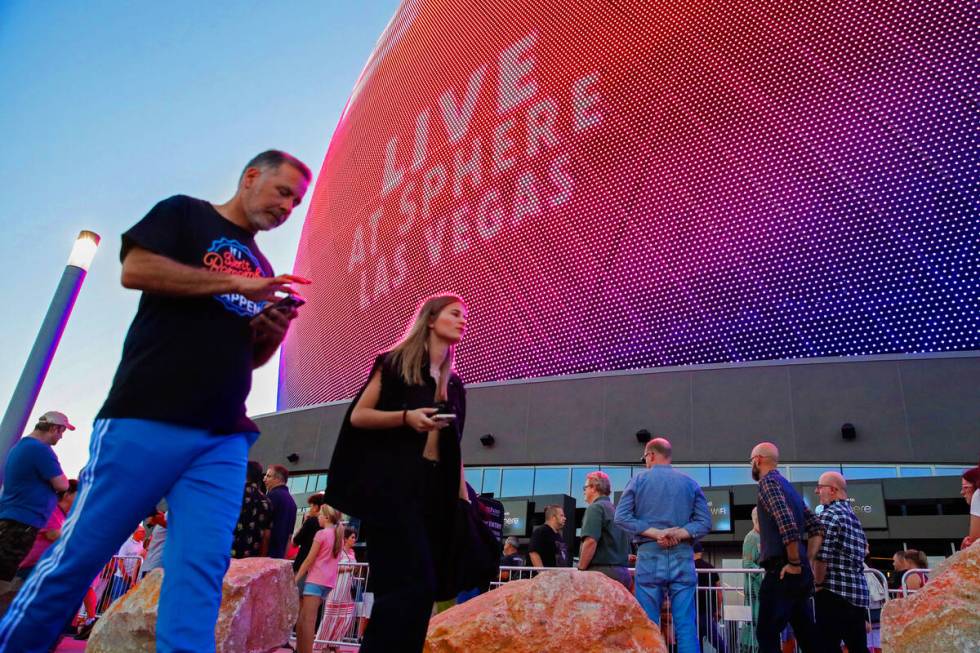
(632, 184)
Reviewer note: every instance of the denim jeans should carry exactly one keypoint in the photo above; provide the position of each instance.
(672, 570)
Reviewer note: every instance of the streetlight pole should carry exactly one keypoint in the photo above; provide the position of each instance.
(36, 369)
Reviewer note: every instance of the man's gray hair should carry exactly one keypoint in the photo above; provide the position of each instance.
(512, 541)
(600, 481)
(280, 472)
(272, 159)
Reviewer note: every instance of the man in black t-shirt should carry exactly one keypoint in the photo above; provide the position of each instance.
(548, 548)
(511, 558)
(512, 555)
(311, 525)
(711, 602)
(174, 423)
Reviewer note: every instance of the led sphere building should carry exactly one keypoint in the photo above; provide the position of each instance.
(718, 223)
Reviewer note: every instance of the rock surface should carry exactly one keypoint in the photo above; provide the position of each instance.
(585, 612)
(259, 605)
(943, 616)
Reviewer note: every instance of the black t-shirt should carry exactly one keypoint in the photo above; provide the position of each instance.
(304, 540)
(550, 546)
(513, 560)
(188, 360)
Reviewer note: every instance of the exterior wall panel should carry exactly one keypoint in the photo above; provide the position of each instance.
(739, 405)
(712, 415)
(868, 395)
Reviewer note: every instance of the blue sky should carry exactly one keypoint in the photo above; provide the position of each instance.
(109, 107)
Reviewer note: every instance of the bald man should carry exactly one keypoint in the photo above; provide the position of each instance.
(790, 536)
(667, 513)
(842, 590)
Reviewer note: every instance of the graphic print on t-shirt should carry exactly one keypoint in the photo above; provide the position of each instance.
(231, 257)
(561, 553)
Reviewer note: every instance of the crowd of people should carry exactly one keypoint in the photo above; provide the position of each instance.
(656, 526)
(816, 589)
(321, 549)
(211, 311)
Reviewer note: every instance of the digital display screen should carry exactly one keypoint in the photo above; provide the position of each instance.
(720, 505)
(636, 184)
(515, 518)
(867, 501)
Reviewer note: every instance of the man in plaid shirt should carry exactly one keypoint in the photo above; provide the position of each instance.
(842, 590)
(789, 537)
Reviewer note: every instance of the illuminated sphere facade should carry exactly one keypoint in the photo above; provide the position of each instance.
(636, 184)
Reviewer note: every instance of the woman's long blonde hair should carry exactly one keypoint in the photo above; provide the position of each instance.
(333, 516)
(408, 354)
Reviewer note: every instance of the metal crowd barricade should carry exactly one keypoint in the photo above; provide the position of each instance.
(729, 626)
(346, 610)
(732, 611)
(727, 613)
(922, 574)
(508, 574)
(118, 576)
(877, 600)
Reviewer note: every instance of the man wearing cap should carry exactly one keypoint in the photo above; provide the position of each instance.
(32, 480)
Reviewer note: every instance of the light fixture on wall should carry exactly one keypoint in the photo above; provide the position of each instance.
(487, 440)
(643, 436)
(848, 432)
(293, 458)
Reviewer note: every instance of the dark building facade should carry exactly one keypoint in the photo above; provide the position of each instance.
(916, 423)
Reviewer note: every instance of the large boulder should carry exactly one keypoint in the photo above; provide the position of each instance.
(557, 611)
(259, 605)
(943, 616)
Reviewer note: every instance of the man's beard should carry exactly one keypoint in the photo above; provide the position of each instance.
(755, 473)
(263, 221)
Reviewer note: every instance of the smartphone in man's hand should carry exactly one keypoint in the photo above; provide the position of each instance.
(288, 302)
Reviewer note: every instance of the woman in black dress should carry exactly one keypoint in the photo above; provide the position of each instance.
(398, 468)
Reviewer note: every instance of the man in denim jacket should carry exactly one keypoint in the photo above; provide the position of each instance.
(667, 512)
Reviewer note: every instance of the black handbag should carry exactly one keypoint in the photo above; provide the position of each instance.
(474, 553)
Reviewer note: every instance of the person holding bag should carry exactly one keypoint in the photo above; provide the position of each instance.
(397, 466)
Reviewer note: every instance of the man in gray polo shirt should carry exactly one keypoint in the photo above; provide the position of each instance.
(605, 546)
